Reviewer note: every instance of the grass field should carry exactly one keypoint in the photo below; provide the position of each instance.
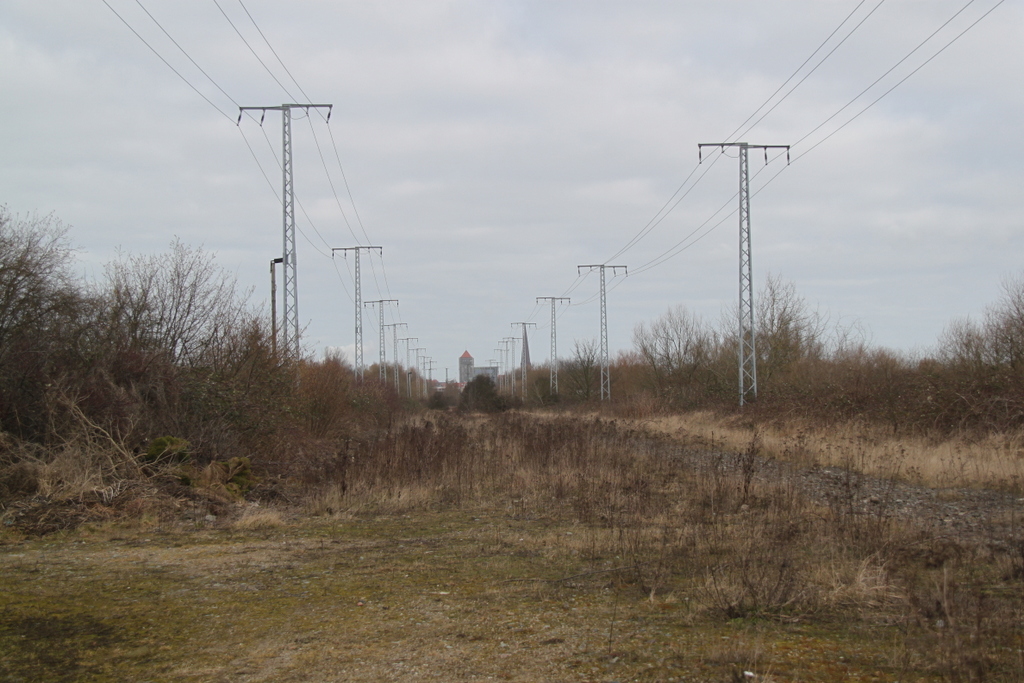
(435, 596)
(518, 549)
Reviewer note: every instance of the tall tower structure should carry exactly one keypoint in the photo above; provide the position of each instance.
(606, 377)
(290, 313)
(747, 352)
(383, 357)
(524, 360)
(465, 368)
(359, 303)
(554, 340)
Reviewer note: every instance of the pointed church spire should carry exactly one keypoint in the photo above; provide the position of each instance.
(526, 350)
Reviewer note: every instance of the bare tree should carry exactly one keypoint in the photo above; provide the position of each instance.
(998, 341)
(179, 304)
(582, 371)
(787, 329)
(36, 286)
(676, 348)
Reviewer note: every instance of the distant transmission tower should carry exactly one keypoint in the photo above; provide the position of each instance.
(510, 372)
(500, 364)
(359, 304)
(290, 314)
(606, 377)
(554, 344)
(408, 367)
(383, 356)
(747, 351)
(395, 326)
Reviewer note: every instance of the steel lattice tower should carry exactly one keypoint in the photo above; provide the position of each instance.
(606, 377)
(395, 326)
(747, 332)
(408, 368)
(383, 358)
(290, 310)
(419, 366)
(510, 371)
(359, 303)
(553, 377)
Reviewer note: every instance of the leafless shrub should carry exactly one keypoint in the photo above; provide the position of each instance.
(581, 374)
(678, 350)
(955, 627)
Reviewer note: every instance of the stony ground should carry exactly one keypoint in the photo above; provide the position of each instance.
(968, 514)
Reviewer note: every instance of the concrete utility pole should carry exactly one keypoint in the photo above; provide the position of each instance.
(554, 344)
(408, 365)
(523, 360)
(273, 303)
(359, 304)
(383, 357)
(394, 327)
(290, 319)
(606, 377)
(747, 352)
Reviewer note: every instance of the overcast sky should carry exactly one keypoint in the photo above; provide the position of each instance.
(492, 146)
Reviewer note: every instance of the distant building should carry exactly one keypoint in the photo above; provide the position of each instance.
(465, 368)
(468, 370)
(489, 371)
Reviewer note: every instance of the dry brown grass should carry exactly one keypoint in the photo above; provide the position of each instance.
(994, 461)
(544, 549)
(254, 518)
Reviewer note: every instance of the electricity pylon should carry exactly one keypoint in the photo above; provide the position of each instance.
(408, 366)
(290, 317)
(510, 354)
(524, 360)
(359, 304)
(747, 351)
(383, 356)
(419, 359)
(395, 326)
(606, 377)
(554, 344)
(430, 377)
(500, 363)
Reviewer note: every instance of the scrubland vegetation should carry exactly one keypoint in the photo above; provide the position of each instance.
(180, 501)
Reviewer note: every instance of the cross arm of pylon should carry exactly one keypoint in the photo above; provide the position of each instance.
(723, 145)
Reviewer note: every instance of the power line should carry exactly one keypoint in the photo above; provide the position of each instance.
(355, 210)
(359, 219)
(254, 54)
(891, 69)
(272, 50)
(808, 74)
(187, 55)
(168, 64)
(672, 202)
(330, 181)
(682, 245)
